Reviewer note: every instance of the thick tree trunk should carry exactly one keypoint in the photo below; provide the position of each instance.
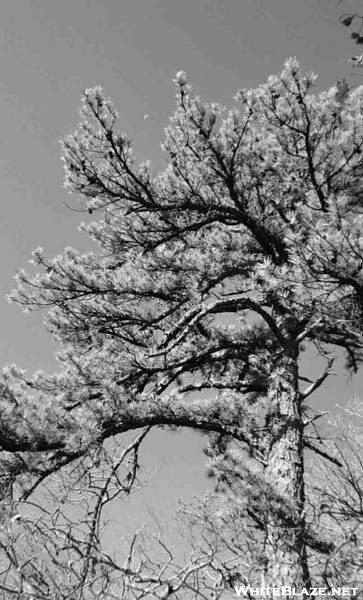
(286, 547)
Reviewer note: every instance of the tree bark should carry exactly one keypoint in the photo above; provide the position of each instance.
(286, 544)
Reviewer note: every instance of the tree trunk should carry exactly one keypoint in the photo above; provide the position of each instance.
(286, 547)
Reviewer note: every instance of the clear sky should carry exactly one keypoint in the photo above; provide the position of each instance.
(51, 50)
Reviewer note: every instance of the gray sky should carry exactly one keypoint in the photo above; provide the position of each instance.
(51, 50)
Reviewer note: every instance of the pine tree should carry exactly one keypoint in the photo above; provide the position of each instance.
(211, 279)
